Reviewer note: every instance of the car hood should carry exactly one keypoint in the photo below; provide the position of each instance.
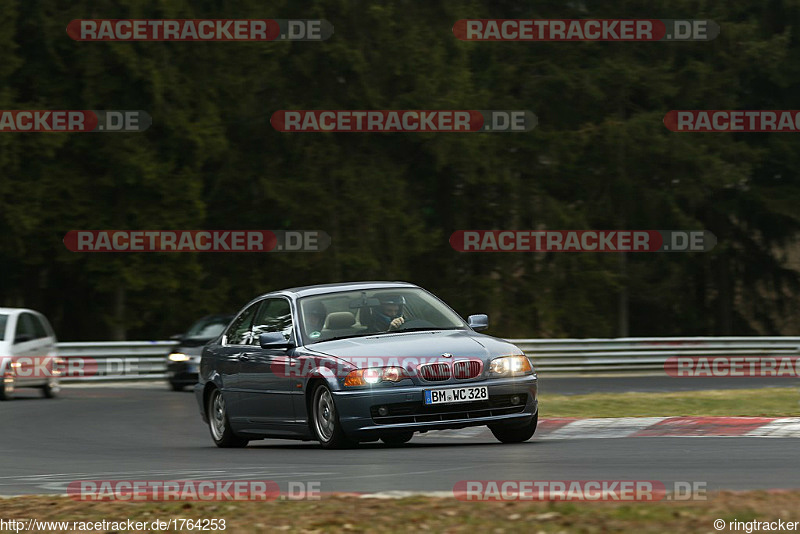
(425, 345)
(194, 342)
(190, 350)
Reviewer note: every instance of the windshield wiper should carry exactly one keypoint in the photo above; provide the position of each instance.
(344, 337)
(416, 329)
(425, 329)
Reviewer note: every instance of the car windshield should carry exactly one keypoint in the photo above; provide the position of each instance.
(208, 328)
(3, 321)
(360, 313)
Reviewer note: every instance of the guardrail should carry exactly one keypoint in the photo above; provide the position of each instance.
(643, 354)
(115, 360)
(138, 360)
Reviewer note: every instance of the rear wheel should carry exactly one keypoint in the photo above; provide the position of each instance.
(7, 388)
(221, 431)
(515, 434)
(397, 439)
(325, 420)
(51, 389)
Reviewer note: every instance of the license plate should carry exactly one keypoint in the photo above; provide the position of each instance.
(449, 396)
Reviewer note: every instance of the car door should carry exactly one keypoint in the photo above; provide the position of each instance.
(26, 350)
(46, 345)
(266, 394)
(236, 342)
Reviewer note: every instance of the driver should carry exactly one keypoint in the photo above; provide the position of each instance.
(389, 315)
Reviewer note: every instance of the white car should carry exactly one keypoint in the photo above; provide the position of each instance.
(28, 353)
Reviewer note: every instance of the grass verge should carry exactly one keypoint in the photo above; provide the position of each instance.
(766, 402)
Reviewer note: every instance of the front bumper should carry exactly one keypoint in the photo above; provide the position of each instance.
(359, 418)
(183, 373)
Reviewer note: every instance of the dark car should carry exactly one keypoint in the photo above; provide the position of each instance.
(354, 362)
(184, 360)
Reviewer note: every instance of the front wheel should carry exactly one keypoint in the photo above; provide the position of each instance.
(7, 388)
(326, 420)
(515, 434)
(51, 389)
(221, 431)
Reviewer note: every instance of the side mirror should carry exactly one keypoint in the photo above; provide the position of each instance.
(478, 322)
(274, 340)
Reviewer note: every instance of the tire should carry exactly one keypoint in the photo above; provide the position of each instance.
(515, 434)
(175, 387)
(397, 439)
(7, 388)
(219, 425)
(325, 421)
(51, 389)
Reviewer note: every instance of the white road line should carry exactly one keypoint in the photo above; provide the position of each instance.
(606, 427)
(397, 494)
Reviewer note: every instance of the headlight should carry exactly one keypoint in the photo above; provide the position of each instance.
(510, 366)
(178, 357)
(373, 375)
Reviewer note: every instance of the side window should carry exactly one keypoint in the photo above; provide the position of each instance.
(274, 316)
(239, 332)
(38, 327)
(25, 329)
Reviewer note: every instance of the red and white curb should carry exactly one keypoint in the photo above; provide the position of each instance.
(642, 427)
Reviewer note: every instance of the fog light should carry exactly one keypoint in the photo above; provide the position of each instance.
(383, 411)
(515, 399)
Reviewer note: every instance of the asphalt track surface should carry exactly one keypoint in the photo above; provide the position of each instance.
(145, 432)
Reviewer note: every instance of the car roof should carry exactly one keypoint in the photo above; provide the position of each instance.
(13, 311)
(322, 289)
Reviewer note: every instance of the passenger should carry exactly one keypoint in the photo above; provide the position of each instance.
(315, 318)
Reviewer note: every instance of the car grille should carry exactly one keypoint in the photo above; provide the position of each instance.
(467, 369)
(434, 372)
(416, 412)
